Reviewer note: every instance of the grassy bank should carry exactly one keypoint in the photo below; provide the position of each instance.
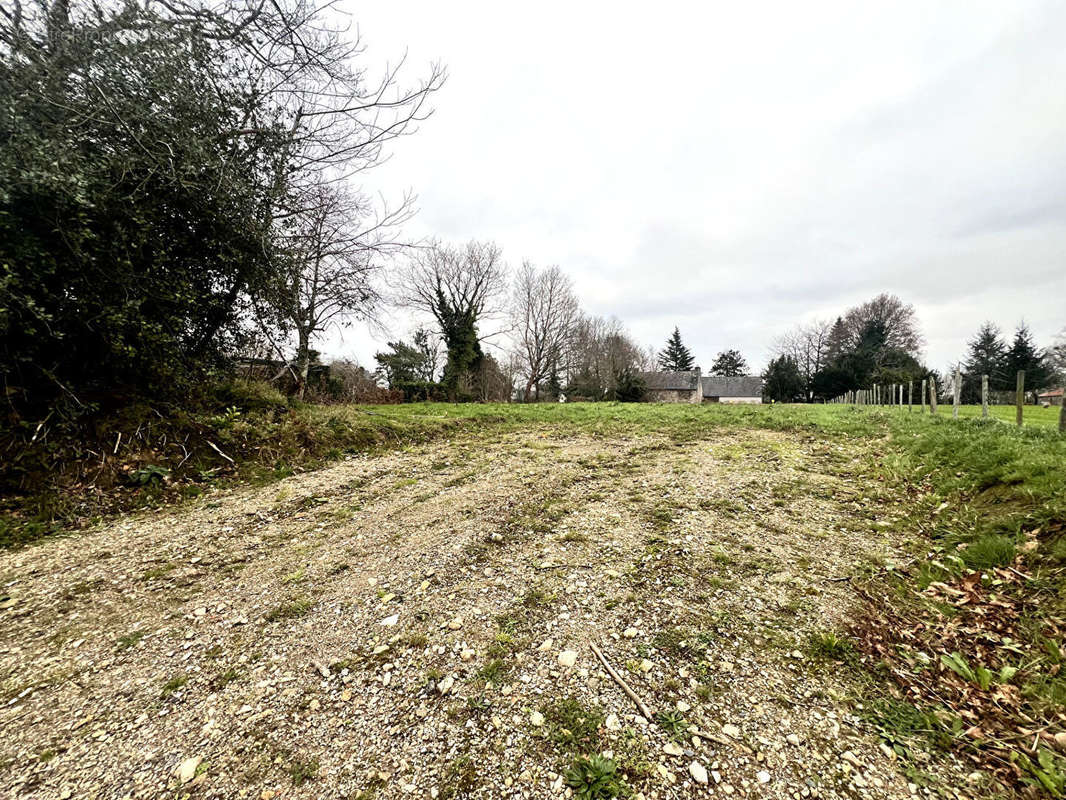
(146, 457)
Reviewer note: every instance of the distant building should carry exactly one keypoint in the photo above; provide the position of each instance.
(1052, 397)
(673, 387)
(740, 389)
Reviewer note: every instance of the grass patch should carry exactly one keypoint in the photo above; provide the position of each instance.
(571, 725)
(302, 770)
(129, 640)
(991, 550)
(173, 684)
(494, 671)
(293, 609)
(829, 646)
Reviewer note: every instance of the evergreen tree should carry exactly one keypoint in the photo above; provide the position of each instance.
(1024, 355)
(782, 381)
(987, 356)
(675, 357)
(730, 364)
(837, 343)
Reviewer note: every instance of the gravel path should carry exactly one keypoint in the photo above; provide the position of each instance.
(417, 624)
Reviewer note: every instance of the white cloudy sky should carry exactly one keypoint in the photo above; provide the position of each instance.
(734, 168)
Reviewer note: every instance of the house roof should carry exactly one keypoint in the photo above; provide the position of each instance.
(672, 381)
(739, 386)
(1051, 393)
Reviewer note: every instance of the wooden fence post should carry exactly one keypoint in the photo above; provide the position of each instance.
(1062, 416)
(923, 395)
(910, 396)
(984, 396)
(932, 395)
(1019, 396)
(957, 394)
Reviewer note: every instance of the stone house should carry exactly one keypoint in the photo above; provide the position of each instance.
(673, 387)
(743, 389)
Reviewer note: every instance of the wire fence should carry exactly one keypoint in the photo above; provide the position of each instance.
(902, 395)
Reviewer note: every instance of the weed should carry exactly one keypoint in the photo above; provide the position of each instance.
(174, 684)
(224, 678)
(572, 725)
(290, 610)
(536, 597)
(129, 640)
(595, 778)
(829, 646)
(460, 778)
(302, 771)
(493, 672)
(673, 723)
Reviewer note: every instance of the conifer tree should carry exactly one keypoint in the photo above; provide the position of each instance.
(675, 357)
(730, 364)
(1024, 355)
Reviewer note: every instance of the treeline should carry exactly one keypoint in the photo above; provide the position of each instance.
(495, 334)
(875, 342)
(879, 342)
(176, 188)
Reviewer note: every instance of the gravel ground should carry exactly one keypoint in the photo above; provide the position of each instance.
(418, 624)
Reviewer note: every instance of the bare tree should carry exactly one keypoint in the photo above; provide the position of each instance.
(1056, 357)
(809, 346)
(460, 288)
(545, 309)
(333, 251)
(899, 319)
(598, 353)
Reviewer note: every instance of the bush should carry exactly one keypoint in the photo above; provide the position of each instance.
(246, 395)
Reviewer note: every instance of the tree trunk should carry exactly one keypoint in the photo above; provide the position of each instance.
(303, 364)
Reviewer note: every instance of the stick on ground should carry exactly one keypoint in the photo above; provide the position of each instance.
(644, 710)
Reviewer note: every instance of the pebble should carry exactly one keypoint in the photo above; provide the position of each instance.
(567, 658)
(630, 633)
(186, 770)
(446, 684)
(763, 776)
(536, 719)
(388, 622)
(455, 624)
(732, 731)
(793, 739)
(672, 749)
(851, 758)
(698, 773)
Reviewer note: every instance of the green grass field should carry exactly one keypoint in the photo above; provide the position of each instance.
(1032, 415)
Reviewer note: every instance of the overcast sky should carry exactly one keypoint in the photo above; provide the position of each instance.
(736, 168)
